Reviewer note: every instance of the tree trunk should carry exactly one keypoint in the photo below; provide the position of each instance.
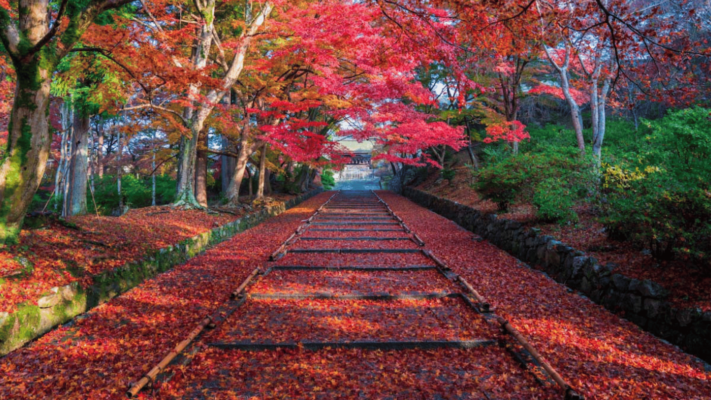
(267, 182)
(100, 154)
(565, 87)
(228, 166)
(25, 156)
(262, 171)
(77, 176)
(119, 156)
(600, 120)
(186, 188)
(66, 111)
(249, 183)
(243, 157)
(185, 195)
(201, 171)
(92, 164)
(153, 173)
(574, 110)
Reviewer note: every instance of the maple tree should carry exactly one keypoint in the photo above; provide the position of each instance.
(35, 38)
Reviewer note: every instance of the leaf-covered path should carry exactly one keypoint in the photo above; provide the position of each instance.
(331, 318)
(354, 306)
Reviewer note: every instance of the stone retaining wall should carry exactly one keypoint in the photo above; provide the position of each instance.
(641, 302)
(64, 303)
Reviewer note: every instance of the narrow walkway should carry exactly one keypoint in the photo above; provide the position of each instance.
(355, 306)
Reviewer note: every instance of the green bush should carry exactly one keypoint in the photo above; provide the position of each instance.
(554, 201)
(680, 143)
(448, 174)
(515, 178)
(327, 179)
(135, 192)
(505, 181)
(662, 214)
(661, 196)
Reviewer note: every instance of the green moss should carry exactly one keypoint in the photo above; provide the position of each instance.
(60, 311)
(6, 327)
(80, 300)
(16, 156)
(29, 319)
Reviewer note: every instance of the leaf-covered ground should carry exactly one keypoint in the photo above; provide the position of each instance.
(688, 287)
(600, 354)
(352, 282)
(116, 343)
(62, 254)
(308, 318)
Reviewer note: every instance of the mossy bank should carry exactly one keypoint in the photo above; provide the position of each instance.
(61, 304)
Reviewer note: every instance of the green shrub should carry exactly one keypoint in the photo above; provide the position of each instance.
(136, 192)
(448, 174)
(505, 181)
(515, 178)
(554, 201)
(165, 189)
(681, 144)
(661, 213)
(660, 196)
(327, 179)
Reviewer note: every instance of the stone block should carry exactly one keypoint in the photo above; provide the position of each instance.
(621, 282)
(69, 291)
(651, 289)
(552, 259)
(706, 316)
(51, 299)
(604, 282)
(686, 316)
(586, 286)
(633, 285)
(612, 300)
(596, 295)
(633, 303)
(578, 264)
(651, 307)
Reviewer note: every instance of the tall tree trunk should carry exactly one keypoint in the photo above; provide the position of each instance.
(267, 182)
(92, 164)
(262, 171)
(249, 182)
(238, 174)
(185, 196)
(100, 155)
(574, 110)
(186, 188)
(201, 171)
(228, 166)
(153, 172)
(119, 171)
(25, 156)
(77, 176)
(564, 74)
(600, 119)
(66, 112)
